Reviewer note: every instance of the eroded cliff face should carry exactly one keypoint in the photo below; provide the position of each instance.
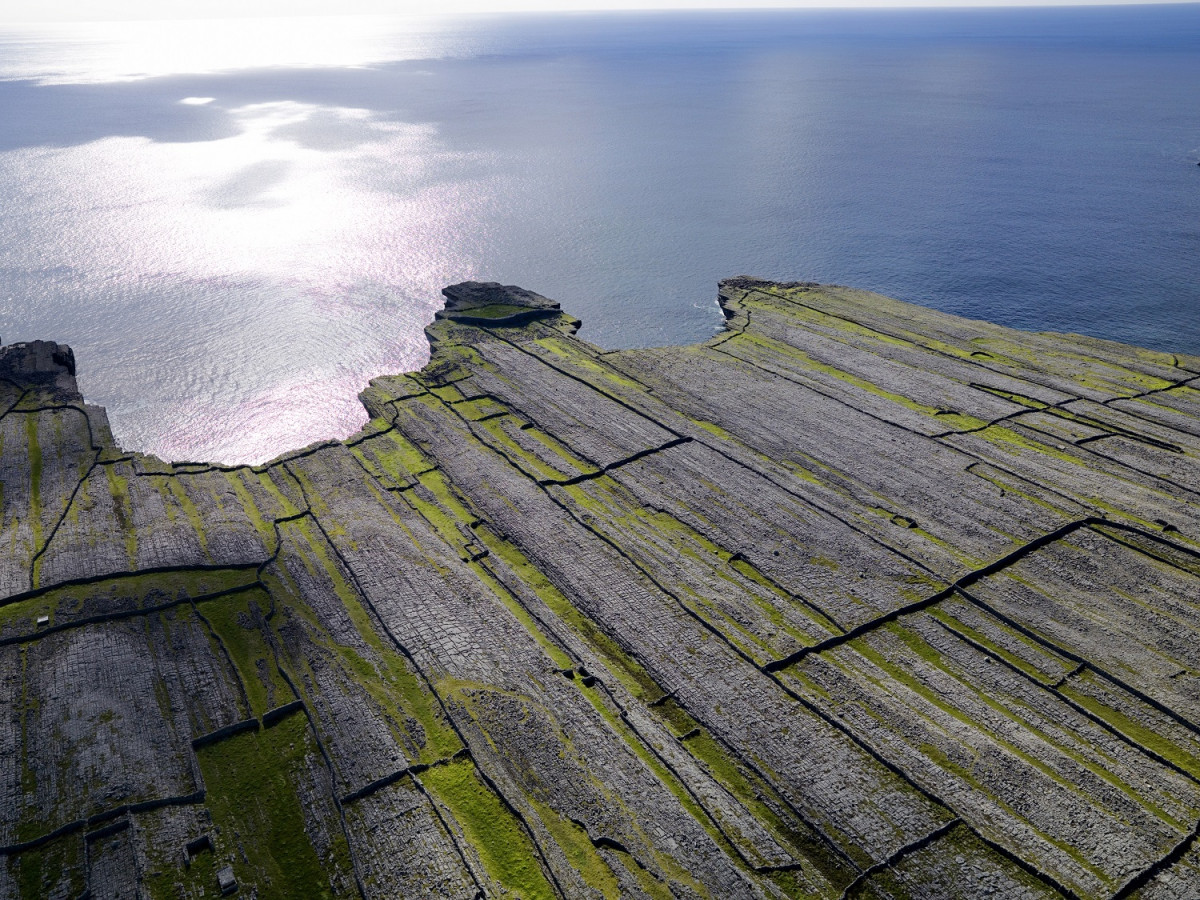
(853, 600)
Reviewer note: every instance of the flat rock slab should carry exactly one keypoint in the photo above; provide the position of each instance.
(855, 599)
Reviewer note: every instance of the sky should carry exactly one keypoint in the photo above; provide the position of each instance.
(94, 10)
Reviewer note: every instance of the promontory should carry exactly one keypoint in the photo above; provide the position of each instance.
(853, 600)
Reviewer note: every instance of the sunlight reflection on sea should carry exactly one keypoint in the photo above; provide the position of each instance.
(237, 224)
(97, 52)
(238, 289)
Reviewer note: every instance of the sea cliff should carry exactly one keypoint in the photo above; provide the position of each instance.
(855, 599)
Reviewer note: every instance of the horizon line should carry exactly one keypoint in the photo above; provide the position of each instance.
(484, 9)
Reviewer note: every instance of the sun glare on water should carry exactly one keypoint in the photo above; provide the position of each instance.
(118, 51)
(292, 216)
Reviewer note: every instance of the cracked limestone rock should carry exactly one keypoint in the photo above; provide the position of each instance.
(855, 599)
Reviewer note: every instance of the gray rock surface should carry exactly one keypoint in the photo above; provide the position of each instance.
(854, 599)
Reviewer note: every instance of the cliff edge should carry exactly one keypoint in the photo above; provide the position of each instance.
(855, 599)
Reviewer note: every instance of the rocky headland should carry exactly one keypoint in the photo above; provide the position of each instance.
(854, 599)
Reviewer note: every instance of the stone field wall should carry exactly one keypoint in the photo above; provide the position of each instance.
(854, 599)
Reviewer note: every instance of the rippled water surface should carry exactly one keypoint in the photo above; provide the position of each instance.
(236, 224)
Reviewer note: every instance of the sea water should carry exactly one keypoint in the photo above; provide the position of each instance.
(237, 223)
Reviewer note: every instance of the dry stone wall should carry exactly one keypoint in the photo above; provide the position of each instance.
(854, 600)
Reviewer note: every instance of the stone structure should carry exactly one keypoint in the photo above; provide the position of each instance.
(853, 600)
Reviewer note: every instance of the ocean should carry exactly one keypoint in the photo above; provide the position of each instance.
(237, 223)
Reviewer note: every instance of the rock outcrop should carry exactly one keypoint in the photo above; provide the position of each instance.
(855, 599)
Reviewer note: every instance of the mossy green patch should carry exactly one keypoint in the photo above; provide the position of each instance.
(449, 362)
(482, 408)
(52, 870)
(122, 593)
(753, 792)
(668, 779)
(948, 420)
(558, 448)
(252, 781)
(716, 430)
(239, 623)
(171, 878)
(265, 528)
(522, 615)
(622, 665)
(1013, 397)
(495, 311)
(122, 507)
(1055, 665)
(380, 669)
(623, 519)
(396, 456)
(824, 874)
(583, 363)
(1087, 371)
(911, 677)
(1139, 732)
(447, 393)
(528, 460)
(744, 568)
(287, 505)
(496, 834)
(175, 492)
(1013, 442)
(582, 855)
(448, 512)
(35, 488)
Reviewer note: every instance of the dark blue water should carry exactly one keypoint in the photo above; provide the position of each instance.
(232, 269)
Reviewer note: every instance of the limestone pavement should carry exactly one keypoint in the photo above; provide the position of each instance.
(855, 599)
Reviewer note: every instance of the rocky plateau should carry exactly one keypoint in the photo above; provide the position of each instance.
(853, 600)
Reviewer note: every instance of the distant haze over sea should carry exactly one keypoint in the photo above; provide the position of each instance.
(237, 224)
